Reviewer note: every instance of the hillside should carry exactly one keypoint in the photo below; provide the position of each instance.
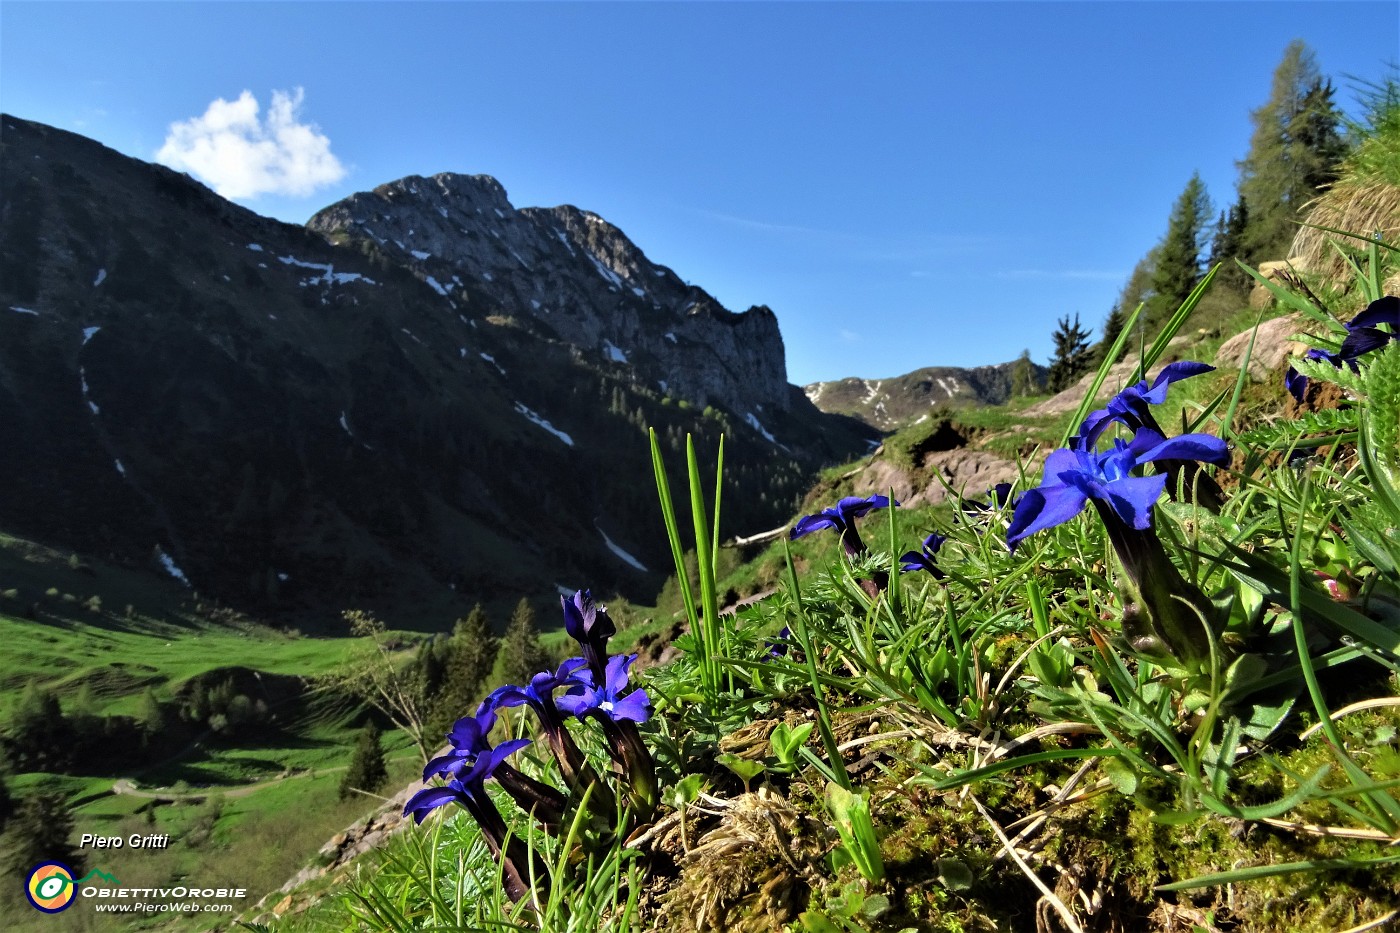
(295, 426)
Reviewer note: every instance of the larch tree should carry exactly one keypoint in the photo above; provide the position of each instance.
(1293, 153)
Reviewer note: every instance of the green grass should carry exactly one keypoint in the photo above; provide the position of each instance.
(1006, 698)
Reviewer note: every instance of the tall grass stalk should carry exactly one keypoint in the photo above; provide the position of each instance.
(705, 630)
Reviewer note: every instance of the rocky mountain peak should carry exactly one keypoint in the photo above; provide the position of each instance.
(575, 277)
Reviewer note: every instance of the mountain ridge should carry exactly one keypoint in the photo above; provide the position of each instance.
(293, 425)
(899, 401)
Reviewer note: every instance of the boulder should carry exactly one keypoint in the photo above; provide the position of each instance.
(1273, 346)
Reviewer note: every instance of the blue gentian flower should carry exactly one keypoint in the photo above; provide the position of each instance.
(1363, 336)
(1168, 625)
(1129, 407)
(1074, 477)
(608, 700)
(469, 743)
(780, 643)
(577, 773)
(467, 786)
(618, 715)
(589, 625)
(468, 790)
(923, 560)
(842, 517)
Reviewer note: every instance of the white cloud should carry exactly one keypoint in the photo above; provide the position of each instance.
(242, 156)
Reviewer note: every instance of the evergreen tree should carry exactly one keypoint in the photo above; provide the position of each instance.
(1023, 380)
(1072, 355)
(1112, 327)
(1293, 152)
(1228, 243)
(522, 655)
(471, 654)
(152, 714)
(38, 736)
(41, 830)
(1177, 269)
(367, 771)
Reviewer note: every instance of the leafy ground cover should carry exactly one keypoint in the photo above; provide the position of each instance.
(1170, 704)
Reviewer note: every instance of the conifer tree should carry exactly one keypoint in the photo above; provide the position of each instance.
(1178, 264)
(1072, 355)
(522, 655)
(1227, 244)
(471, 655)
(41, 830)
(152, 713)
(1112, 327)
(367, 771)
(1023, 376)
(1293, 153)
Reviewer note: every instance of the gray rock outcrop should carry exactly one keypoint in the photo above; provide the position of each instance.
(575, 277)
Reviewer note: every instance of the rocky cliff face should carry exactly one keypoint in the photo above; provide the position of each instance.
(578, 279)
(292, 424)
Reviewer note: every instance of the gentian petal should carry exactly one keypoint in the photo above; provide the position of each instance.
(1173, 372)
(1296, 384)
(507, 696)
(1059, 463)
(425, 801)
(577, 701)
(636, 706)
(914, 561)
(467, 733)
(501, 752)
(1203, 448)
(1381, 311)
(1042, 508)
(1363, 340)
(573, 614)
(1132, 498)
(811, 523)
(445, 765)
(1094, 425)
(617, 672)
(854, 506)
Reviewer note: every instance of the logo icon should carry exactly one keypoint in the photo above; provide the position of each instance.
(50, 887)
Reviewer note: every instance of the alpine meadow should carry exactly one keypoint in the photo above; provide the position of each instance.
(449, 563)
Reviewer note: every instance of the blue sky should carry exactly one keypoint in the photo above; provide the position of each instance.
(905, 184)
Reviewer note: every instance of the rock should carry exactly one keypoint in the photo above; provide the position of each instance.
(968, 472)
(1273, 346)
(576, 277)
(282, 906)
(1069, 399)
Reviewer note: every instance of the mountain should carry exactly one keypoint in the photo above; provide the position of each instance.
(888, 404)
(577, 279)
(424, 394)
